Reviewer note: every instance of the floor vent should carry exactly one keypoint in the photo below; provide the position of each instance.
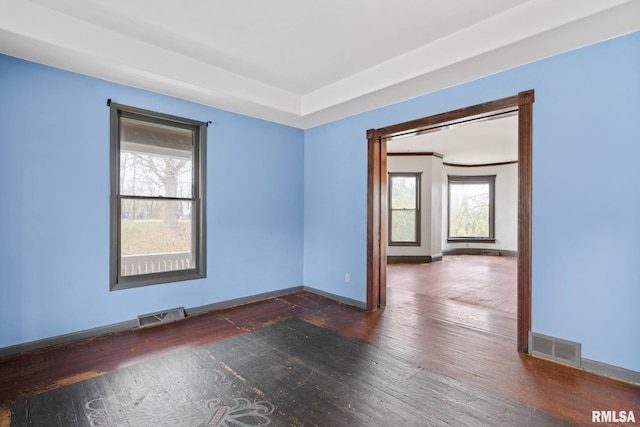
(161, 317)
(556, 349)
(491, 252)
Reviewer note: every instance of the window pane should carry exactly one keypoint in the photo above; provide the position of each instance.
(156, 236)
(469, 210)
(403, 226)
(155, 160)
(403, 192)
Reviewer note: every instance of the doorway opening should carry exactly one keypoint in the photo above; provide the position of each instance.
(377, 221)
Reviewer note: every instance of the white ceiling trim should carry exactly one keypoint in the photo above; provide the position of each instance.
(609, 24)
(519, 35)
(512, 26)
(80, 43)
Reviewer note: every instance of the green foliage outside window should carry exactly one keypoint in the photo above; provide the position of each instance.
(471, 202)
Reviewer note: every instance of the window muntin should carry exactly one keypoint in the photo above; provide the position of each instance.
(471, 208)
(157, 232)
(404, 209)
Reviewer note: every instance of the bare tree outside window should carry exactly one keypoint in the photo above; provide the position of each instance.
(159, 197)
(471, 207)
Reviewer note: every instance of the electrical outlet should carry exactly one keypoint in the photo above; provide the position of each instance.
(347, 277)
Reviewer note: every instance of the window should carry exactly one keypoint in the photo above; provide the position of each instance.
(157, 198)
(471, 208)
(404, 209)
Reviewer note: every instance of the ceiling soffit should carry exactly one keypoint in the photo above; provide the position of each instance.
(252, 65)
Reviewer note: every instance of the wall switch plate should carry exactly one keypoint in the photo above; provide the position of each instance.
(347, 277)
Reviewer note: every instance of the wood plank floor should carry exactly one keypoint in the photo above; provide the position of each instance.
(287, 374)
(455, 317)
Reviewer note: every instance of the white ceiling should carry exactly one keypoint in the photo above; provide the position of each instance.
(302, 63)
(473, 143)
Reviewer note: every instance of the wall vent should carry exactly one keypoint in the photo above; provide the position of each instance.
(161, 317)
(555, 348)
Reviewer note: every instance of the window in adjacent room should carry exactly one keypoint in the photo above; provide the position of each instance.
(471, 208)
(404, 209)
(157, 198)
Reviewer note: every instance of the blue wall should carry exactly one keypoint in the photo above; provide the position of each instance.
(287, 207)
(586, 202)
(54, 221)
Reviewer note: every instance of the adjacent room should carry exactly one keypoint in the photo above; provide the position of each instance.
(302, 213)
(453, 215)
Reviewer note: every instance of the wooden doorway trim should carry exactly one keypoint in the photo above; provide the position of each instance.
(377, 197)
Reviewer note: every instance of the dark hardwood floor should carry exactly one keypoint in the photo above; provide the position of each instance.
(455, 317)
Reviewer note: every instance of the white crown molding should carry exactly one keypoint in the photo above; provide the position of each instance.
(510, 27)
(612, 23)
(520, 35)
(68, 43)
